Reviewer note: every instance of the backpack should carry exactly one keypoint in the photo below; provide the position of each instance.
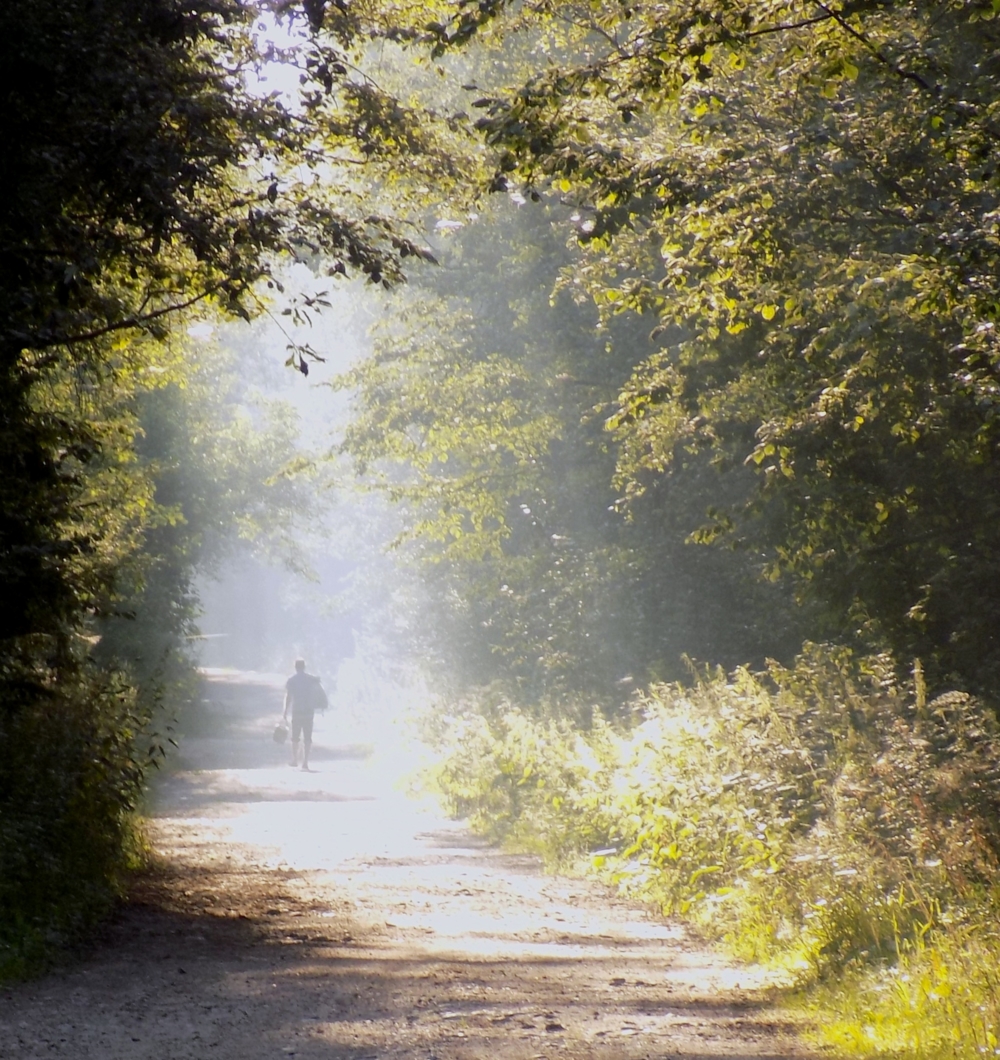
(316, 696)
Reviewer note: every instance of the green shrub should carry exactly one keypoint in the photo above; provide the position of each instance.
(70, 780)
(823, 817)
(816, 816)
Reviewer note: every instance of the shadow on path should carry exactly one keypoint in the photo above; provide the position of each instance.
(322, 915)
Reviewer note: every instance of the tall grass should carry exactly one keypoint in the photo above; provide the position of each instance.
(940, 1000)
(824, 818)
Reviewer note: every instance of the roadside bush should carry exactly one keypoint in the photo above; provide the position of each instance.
(70, 780)
(537, 785)
(823, 817)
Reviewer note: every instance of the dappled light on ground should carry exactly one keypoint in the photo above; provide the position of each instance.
(324, 915)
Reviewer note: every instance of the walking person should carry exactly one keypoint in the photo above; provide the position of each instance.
(304, 695)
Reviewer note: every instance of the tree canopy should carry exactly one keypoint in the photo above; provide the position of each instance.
(801, 198)
(147, 178)
(740, 292)
(482, 414)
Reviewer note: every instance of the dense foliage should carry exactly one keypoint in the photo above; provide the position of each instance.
(716, 372)
(481, 413)
(146, 177)
(819, 816)
(187, 467)
(802, 198)
(778, 299)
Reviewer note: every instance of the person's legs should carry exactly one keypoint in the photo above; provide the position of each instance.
(296, 733)
(307, 738)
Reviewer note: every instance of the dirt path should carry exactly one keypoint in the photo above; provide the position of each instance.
(321, 915)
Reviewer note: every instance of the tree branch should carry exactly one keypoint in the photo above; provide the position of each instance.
(909, 75)
(138, 320)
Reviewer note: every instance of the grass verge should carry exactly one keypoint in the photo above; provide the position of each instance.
(823, 818)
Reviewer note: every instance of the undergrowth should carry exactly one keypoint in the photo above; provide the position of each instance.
(823, 818)
(71, 776)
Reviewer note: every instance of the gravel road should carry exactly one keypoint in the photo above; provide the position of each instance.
(323, 915)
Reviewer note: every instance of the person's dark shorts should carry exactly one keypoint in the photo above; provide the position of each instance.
(302, 725)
